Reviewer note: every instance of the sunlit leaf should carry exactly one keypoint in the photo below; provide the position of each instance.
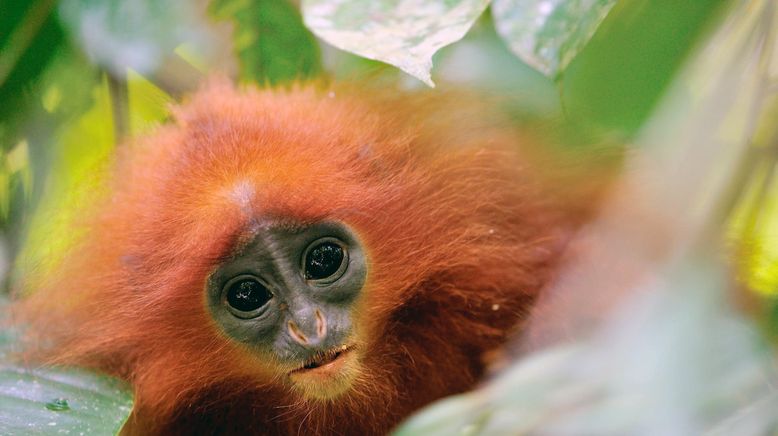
(80, 151)
(149, 105)
(548, 34)
(403, 33)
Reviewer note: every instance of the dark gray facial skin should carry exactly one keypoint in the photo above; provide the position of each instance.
(304, 313)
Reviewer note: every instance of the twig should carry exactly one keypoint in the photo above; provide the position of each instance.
(176, 76)
(117, 87)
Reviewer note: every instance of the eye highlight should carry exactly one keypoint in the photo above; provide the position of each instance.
(245, 295)
(325, 260)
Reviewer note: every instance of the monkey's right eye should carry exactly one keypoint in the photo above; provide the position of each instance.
(324, 261)
(245, 295)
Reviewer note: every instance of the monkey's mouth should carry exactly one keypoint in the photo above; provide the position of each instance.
(330, 360)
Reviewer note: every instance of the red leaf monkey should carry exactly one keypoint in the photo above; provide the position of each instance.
(279, 262)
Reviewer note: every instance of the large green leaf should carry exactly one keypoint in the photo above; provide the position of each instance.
(46, 401)
(61, 401)
(270, 40)
(548, 34)
(403, 33)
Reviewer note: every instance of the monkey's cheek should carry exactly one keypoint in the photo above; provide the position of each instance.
(328, 381)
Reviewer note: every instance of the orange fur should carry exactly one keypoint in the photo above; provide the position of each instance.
(459, 238)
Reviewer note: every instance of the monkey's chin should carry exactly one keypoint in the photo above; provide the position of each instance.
(327, 380)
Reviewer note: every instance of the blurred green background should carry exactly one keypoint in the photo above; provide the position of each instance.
(80, 78)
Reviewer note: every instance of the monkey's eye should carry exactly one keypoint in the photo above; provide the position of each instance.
(245, 295)
(324, 261)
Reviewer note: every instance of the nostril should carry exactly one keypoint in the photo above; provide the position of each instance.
(321, 324)
(296, 334)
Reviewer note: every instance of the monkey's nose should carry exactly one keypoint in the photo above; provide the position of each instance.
(316, 334)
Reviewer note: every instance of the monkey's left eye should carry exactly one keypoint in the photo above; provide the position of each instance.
(324, 261)
(245, 295)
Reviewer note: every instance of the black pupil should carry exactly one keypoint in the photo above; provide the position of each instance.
(248, 295)
(323, 261)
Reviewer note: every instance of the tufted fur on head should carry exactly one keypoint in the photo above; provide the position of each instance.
(459, 236)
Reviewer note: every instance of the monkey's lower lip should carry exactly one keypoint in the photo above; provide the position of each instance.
(330, 361)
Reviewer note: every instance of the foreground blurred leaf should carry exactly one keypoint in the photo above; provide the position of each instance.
(403, 33)
(672, 362)
(639, 331)
(136, 34)
(57, 400)
(270, 40)
(548, 34)
(754, 223)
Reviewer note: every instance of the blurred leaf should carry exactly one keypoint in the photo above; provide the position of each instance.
(17, 162)
(60, 95)
(673, 361)
(149, 105)
(79, 156)
(30, 36)
(548, 34)
(670, 356)
(136, 34)
(5, 193)
(56, 96)
(481, 60)
(615, 81)
(57, 400)
(269, 37)
(64, 91)
(403, 33)
(754, 230)
(753, 226)
(14, 170)
(79, 152)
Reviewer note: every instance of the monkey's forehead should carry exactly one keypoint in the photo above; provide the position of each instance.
(232, 158)
(258, 228)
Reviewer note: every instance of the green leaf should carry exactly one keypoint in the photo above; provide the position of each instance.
(270, 40)
(30, 37)
(405, 34)
(614, 83)
(61, 401)
(57, 400)
(548, 34)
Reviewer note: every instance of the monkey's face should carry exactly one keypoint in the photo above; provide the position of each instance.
(288, 294)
